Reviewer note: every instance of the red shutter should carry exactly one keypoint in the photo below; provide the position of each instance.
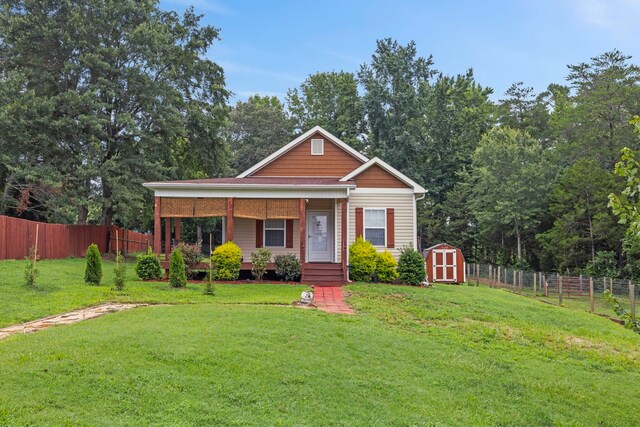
(359, 223)
(289, 233)
(391, 228)
(259, 233)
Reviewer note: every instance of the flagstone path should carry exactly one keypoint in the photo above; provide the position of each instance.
(66, 318)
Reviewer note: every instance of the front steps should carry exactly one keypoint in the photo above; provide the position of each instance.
(322, 274)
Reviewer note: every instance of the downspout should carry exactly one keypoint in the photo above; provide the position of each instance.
(348, 280)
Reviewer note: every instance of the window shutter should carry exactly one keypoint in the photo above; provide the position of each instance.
(289, 233)
(391, 229)
(259, 233)
(359, 223)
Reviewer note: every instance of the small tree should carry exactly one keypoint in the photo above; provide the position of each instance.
(119, 273)
(93, 270)
(30, 270)
(208, 289)
(411, 266)
(259, 261)
(177, 273)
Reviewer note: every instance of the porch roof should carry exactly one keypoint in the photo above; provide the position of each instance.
(297, 183)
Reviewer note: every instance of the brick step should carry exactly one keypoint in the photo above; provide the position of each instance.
(322, 273)
(325, 266)
(322, 279)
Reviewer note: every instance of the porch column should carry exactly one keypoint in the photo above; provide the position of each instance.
(176, 225)
(303, 230)
(167, 238)
(229, 219)
(343, 234)
(157, 227)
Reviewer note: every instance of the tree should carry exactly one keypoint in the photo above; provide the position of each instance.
(330, 100)
(257, 128)
(100, 94)
(510, 180)
(583, 224)
(522, 109)
(392, 83)
(607, 95)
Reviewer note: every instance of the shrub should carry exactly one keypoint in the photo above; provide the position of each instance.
(177, 274)
(148, 266)
(259, 261)
(386, 267)
(411, 266)
(30, 270)
(227, 259)
(93, 270)
(362, 260)
(287, 266)
(192, 255)
(119, 273)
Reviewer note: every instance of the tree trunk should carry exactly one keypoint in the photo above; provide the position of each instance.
(83, 213)
(107, 208)
(519, 242)
(593, 248)
(199, 234)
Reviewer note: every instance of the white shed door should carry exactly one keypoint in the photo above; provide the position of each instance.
(445, 268)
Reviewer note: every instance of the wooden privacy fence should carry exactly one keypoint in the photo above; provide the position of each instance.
(62, 240)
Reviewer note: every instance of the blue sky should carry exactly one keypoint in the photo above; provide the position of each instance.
(268, 47)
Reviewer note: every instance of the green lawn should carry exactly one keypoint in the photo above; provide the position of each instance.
(448, 355)
(60, 288)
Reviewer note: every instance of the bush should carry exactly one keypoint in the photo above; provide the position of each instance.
(148, 266)
(227, 259)
(287, 267)
(192, 255)
(411, 266)
(362, 260)
(386, 267)
(177, 274)
(119, 273)
(259, 261)
(93, 270)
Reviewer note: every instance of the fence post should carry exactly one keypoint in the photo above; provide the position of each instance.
(499, 276)
(521, 280)
(514, 280)
(546, 286)
(591, 300)
(560, 289)
(535, 283)
(604, 285)
(581, 284)
(611, 285)
(632, 299)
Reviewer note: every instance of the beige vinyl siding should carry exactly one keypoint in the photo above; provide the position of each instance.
(244, 233)
(403, 205)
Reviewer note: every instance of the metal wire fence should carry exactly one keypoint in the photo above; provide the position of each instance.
(574, 291)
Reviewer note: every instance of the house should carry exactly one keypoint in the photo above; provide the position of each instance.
(445, 264)
(312, 198)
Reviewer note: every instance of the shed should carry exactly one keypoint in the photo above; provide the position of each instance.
(445, 264)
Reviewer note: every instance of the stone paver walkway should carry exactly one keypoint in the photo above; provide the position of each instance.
(66, 318)
(330, 299)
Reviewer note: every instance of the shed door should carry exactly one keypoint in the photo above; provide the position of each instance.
(445, 265)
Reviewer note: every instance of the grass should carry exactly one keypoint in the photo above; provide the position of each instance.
(448, 355)
(61, 288)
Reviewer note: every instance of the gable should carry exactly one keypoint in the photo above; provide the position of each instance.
(298, 161)
(376, 177)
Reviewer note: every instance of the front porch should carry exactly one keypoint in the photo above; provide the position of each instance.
(314, 229)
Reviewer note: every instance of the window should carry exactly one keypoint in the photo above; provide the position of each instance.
(375, 226)
(274, 233)
(317, 147)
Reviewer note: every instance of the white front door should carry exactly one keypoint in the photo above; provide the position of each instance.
(319, 236)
